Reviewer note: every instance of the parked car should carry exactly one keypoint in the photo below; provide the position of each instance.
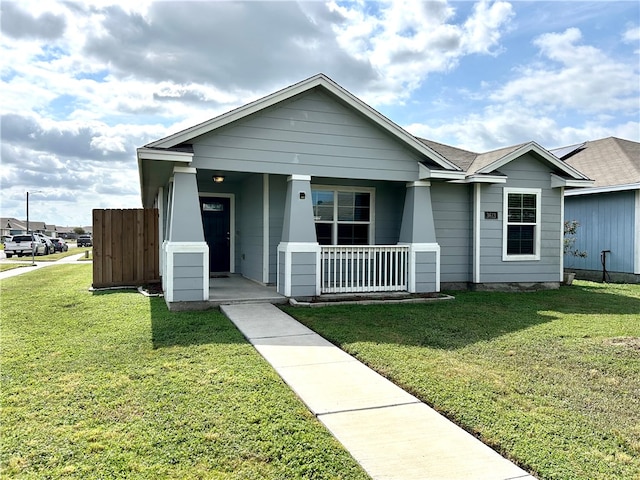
(48, 245)
(85, 241)
(25, 245)
(59, 245)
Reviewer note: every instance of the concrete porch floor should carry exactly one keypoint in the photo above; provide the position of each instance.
(233, 288)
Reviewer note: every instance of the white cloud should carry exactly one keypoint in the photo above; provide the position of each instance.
(510, 124)
(580, 77)
(632, 35)
(407, 40)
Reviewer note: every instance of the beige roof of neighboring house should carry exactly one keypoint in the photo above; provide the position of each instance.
(12, 223)
(609, 161)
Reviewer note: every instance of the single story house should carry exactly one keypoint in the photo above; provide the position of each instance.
(608, 212)
(12, 226)
(313, 191)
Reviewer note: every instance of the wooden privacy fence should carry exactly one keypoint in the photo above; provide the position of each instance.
(125, 247)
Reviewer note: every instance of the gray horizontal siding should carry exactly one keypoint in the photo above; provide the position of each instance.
(188, 277)
(188, 260)
(425, 269)
(312, 134)
(606, 223)
(525, 172)
(303, 274)
(452, 218)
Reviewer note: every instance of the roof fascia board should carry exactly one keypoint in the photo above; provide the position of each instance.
(164, 155)
(483, 179)
(426, 173)
(607, 189)
(534, 147)
(558, 181)
(296, 89)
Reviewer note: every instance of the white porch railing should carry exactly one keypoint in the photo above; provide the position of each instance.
(367, 268)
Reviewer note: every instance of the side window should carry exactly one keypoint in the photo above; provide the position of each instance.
(521, 226)
(343, 216)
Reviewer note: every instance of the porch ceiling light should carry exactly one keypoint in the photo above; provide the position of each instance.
(218, 178)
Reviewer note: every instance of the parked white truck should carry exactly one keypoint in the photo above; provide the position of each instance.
(22, 245)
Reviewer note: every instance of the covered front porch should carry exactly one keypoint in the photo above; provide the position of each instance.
(270, 235)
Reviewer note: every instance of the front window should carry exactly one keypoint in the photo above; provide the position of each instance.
(521, 235)
(343, 216)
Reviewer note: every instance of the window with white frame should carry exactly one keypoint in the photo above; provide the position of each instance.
(343, 215)
(521, 225)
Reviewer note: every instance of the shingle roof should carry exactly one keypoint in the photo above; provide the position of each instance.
(461, 158)
(10, 222)
(485, 159)
(609, 161)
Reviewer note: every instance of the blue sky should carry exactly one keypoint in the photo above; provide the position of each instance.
(83, 84)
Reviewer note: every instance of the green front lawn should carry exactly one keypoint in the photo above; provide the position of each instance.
(10, 266)
(550, 379)
(112, 385)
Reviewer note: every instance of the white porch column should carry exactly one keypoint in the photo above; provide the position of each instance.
(186, 253)
(418, 231)
(298, 251)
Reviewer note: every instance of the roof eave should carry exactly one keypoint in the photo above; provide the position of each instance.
(483, 178)
(425, 173)
(557, 181)
(156, 155)
(606, 189)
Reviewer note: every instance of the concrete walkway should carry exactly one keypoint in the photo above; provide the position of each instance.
(73, 259)
(388, 431)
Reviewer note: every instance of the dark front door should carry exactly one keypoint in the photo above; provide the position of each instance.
(216, 220)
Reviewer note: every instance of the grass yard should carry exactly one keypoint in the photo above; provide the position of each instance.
(549, 379)
(10, 266)
(112, 385)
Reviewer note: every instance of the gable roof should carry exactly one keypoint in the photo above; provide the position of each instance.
(12, 223)
(462, 158)
(317, 81)
(488, 163)
(610, 161)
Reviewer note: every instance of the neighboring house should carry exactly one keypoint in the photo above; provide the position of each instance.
(43, 228)
(608, 212)
(65, 232)
(314, 191)
(12, 226)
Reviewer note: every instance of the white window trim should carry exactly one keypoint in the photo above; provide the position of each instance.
(341, 188)
(505, 222)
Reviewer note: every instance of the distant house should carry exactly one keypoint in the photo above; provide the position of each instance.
(313, 191)
(12, 226)
(608, 212)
